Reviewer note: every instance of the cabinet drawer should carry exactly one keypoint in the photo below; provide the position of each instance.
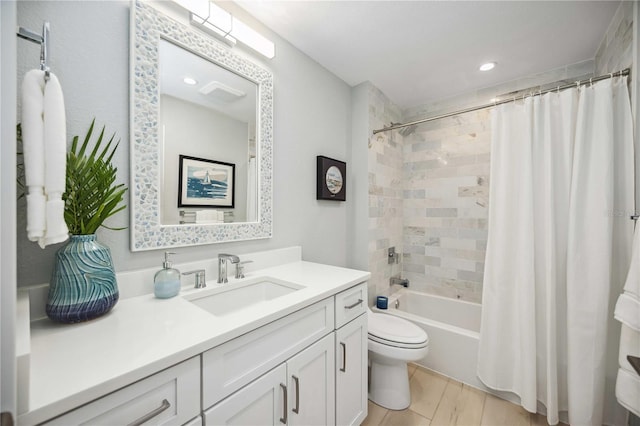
(350, 303)
(230, 366)
(170, 397)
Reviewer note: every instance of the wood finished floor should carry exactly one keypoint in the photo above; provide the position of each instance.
(437, 400)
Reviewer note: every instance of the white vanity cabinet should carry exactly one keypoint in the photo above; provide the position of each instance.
(297, 392)
(351, 356)
(171, 362)
(308, 368)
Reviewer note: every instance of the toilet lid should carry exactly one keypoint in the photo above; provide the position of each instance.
(394, 329)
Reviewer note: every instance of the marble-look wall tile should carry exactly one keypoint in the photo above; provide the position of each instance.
(615, 52)
(385, 192)
(445, 169)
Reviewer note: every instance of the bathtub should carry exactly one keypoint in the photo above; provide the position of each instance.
(453, 327)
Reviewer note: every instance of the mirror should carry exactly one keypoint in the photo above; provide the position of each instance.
(209, 113)
(200, 152)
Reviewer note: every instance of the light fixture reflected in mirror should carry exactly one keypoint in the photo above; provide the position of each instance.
(216, 21)
(190, 81)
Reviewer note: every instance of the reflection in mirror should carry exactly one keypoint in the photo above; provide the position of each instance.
(206, 112)
(203, 149)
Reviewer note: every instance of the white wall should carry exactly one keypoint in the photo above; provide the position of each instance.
(312, 116)
(196, 131)
(358, 183)
(8, 382)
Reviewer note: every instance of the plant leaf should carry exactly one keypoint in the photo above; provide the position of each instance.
(91, 194)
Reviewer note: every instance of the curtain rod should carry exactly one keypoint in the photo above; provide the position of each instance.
(493, 104)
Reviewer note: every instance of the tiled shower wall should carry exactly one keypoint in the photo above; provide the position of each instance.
(616, 50)
(385, 190)
(446, 192)
(446, 188)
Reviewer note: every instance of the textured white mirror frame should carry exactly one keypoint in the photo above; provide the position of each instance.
(147, 233)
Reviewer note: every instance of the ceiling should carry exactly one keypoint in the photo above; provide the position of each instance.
(421, 51)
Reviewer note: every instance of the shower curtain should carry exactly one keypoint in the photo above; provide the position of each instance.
(559, 243)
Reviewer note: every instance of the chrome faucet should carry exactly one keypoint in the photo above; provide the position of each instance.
(222, 266)
(200, 280)
(399, 281)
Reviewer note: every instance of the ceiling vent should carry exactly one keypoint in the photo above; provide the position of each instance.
(221, 91)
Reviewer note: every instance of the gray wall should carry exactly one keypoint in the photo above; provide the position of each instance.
(312, 116)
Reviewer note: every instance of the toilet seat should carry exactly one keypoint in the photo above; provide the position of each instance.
(397, 332)
(398, 344)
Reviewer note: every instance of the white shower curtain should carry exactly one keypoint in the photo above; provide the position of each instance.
(559, 244)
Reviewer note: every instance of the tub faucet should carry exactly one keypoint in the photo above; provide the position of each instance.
(222, 266)
(399, 281)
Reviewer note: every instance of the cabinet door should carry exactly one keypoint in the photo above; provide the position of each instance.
(351, 372)
(261, 402)
(312, 384)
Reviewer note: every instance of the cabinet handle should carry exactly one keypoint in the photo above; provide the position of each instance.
(283, 419)
(297, 408)
(344, 357)
(152, 414)
(359, 302)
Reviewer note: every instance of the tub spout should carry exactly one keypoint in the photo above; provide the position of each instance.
(399, 281)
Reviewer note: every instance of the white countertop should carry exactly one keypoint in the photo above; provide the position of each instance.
(75, 364)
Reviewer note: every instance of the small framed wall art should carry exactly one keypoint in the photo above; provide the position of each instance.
(331, 179)
(205, 183)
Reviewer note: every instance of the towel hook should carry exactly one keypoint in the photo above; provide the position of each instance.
(43, 41)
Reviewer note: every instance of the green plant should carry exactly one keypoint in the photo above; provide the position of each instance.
(91, 194)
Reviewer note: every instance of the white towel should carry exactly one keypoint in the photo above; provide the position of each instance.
(44, 145)
(628, 311)
(632, 285)
(207, 216)
(33, 147)
(629, 345)
(628, 390)
(55, 148)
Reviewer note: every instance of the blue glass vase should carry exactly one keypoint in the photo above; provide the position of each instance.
(83, 284)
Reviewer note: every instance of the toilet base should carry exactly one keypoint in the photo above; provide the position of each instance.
(389, 386)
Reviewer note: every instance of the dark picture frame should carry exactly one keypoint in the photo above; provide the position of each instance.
(331, 179)
(206, 183)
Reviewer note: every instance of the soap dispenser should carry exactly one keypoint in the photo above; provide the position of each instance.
(166, 282)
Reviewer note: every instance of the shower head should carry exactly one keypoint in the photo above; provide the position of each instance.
(405, 131)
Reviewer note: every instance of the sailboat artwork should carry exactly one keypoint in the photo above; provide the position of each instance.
(205, 183)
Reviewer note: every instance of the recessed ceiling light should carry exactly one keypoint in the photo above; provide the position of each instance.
(488, 66)
(190, 81)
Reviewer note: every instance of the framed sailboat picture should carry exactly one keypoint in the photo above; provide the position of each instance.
(205, 183)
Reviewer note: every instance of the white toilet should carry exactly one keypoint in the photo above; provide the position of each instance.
(392, 343)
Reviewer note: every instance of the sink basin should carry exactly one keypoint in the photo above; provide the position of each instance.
(236, 296)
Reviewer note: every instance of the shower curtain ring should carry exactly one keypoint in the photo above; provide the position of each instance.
(591, 82)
